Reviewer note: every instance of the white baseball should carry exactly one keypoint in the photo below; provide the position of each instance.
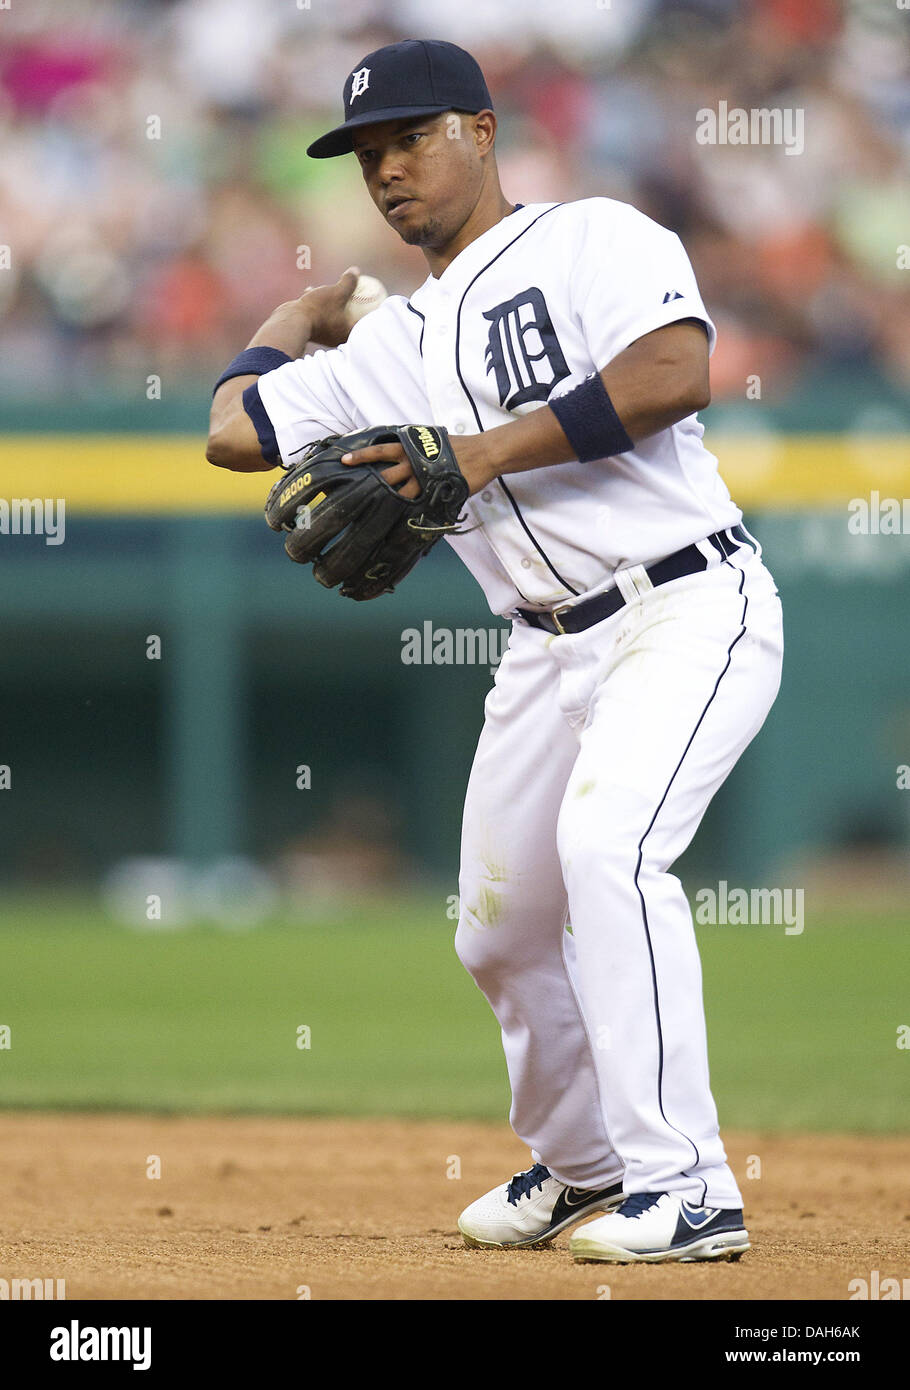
(368, 295)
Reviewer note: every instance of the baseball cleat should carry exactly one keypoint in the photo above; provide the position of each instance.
(530, 1209)
(654, 1226)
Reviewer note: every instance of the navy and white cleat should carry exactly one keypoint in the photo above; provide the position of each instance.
(531, 1209)
(654, 1226)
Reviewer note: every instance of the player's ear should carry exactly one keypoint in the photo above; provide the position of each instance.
(484, 124)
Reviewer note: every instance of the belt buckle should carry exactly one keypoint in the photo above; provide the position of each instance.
(554, 614)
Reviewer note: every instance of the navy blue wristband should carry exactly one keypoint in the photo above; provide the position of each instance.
(265, 430)
(254, 361)
(589, 421)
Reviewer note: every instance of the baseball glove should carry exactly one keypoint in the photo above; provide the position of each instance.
(357, 530)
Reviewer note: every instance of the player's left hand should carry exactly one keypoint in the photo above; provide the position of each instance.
(469, 453)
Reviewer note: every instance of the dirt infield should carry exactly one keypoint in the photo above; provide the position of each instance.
(257, 1208)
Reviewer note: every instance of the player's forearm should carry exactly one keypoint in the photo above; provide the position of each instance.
(232, 441)
(227, 401)
(534, 441)
(538, 440)
(658, 380)
(289, 328)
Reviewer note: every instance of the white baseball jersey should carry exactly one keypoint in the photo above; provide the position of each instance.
(523, 314)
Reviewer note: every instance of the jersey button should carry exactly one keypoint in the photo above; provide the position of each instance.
(486, 497)
(526, 564)
(459, 428)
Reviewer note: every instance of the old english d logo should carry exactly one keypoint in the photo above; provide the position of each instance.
(360, 81)
(523, 350)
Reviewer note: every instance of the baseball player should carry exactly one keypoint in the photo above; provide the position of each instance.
(564, 348)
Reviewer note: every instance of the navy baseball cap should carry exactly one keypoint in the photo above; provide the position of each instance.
(417, 77)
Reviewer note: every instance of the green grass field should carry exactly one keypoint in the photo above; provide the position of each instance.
(802, 1029)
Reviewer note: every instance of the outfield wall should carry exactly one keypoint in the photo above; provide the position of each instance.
(197, 752)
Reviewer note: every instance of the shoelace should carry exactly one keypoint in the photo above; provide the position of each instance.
(523, 1183)
(639, 1202)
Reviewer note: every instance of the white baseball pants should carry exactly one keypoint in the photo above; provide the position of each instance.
(599, 755)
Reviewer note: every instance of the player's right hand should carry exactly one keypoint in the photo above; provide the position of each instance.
(326, 304)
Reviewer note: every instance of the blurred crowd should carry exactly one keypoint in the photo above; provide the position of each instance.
(156, 197)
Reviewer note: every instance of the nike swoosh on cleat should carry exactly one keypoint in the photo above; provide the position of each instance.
(577, 1196)
(696, 1216)
(578, 1200)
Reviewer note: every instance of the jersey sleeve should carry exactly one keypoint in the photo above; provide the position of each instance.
(300, 402)
(630, 277)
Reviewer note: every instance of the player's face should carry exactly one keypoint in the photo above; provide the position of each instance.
(424, 176)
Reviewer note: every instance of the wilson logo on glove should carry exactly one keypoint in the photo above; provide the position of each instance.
(427, 438)
(365, 535)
